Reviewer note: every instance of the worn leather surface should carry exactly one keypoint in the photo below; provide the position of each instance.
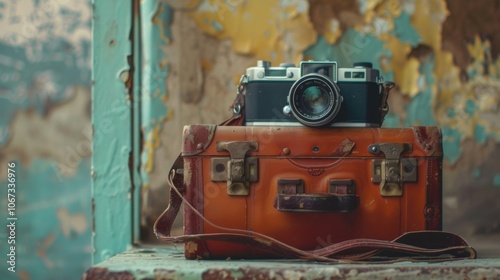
(316, 156)
(214, 228)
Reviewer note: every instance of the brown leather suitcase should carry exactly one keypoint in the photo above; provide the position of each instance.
(309, 187)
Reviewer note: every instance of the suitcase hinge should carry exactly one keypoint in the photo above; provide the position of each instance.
(238, 171)
(393, 171)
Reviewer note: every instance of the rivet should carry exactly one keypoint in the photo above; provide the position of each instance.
(286, 151)
(199, 146)
(429, 210)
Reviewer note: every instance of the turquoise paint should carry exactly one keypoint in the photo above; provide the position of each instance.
(217, 26)
(168, 263)
(404, 30)
(472, 73)
(480, 134)
(19, 74)
(111, 178)
(451, 112)
(452, 140)
(40, 193)
(351, 47)
(420, 108)
(355, 46)
(156, 17)
(470, 107)
(391, 120)
(37, 76)
(496, 180)
(155, 34)
(152, 85)
(476, 173)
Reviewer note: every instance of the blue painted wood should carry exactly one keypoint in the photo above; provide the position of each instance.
(45, 130)
(169, 263)
(112, 124)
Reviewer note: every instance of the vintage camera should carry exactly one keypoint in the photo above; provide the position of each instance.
(315, 94)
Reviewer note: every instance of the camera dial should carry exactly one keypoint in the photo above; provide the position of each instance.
(314, 100)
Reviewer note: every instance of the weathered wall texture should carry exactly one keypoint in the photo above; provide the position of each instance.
(443, 56)
(45, 129)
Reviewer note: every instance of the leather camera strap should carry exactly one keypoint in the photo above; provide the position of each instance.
(429, 246)
(163, 224)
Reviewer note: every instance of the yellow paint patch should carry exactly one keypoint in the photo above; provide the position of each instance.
(156, 19)
(406, 75)
(152, 142)
(268, 29)
(379, 17)
(429, 27)
(482, 91)
(333, 31)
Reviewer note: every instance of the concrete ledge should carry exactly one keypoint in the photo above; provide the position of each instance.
(169, 263)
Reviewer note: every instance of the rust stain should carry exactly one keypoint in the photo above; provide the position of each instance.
(125, 77)
(332, 18)
(104, 273)
(165, 273)
(466, 20)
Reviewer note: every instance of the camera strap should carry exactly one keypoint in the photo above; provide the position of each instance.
(384, 107)
(428, 246)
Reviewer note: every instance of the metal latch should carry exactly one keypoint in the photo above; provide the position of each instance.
(393, 171)
(238, 171)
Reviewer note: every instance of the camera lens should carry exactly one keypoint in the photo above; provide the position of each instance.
(314, 100)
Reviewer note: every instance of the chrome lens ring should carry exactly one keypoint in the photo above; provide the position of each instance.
(314, 100)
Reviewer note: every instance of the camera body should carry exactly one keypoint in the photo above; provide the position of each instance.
(316, 93)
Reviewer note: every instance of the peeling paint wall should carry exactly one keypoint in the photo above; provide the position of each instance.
(45, 129)
(442, 56)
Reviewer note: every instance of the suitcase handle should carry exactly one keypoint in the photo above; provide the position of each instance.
(316, 203)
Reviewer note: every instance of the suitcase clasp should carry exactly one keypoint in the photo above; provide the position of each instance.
(238, 171)
(393, 171)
